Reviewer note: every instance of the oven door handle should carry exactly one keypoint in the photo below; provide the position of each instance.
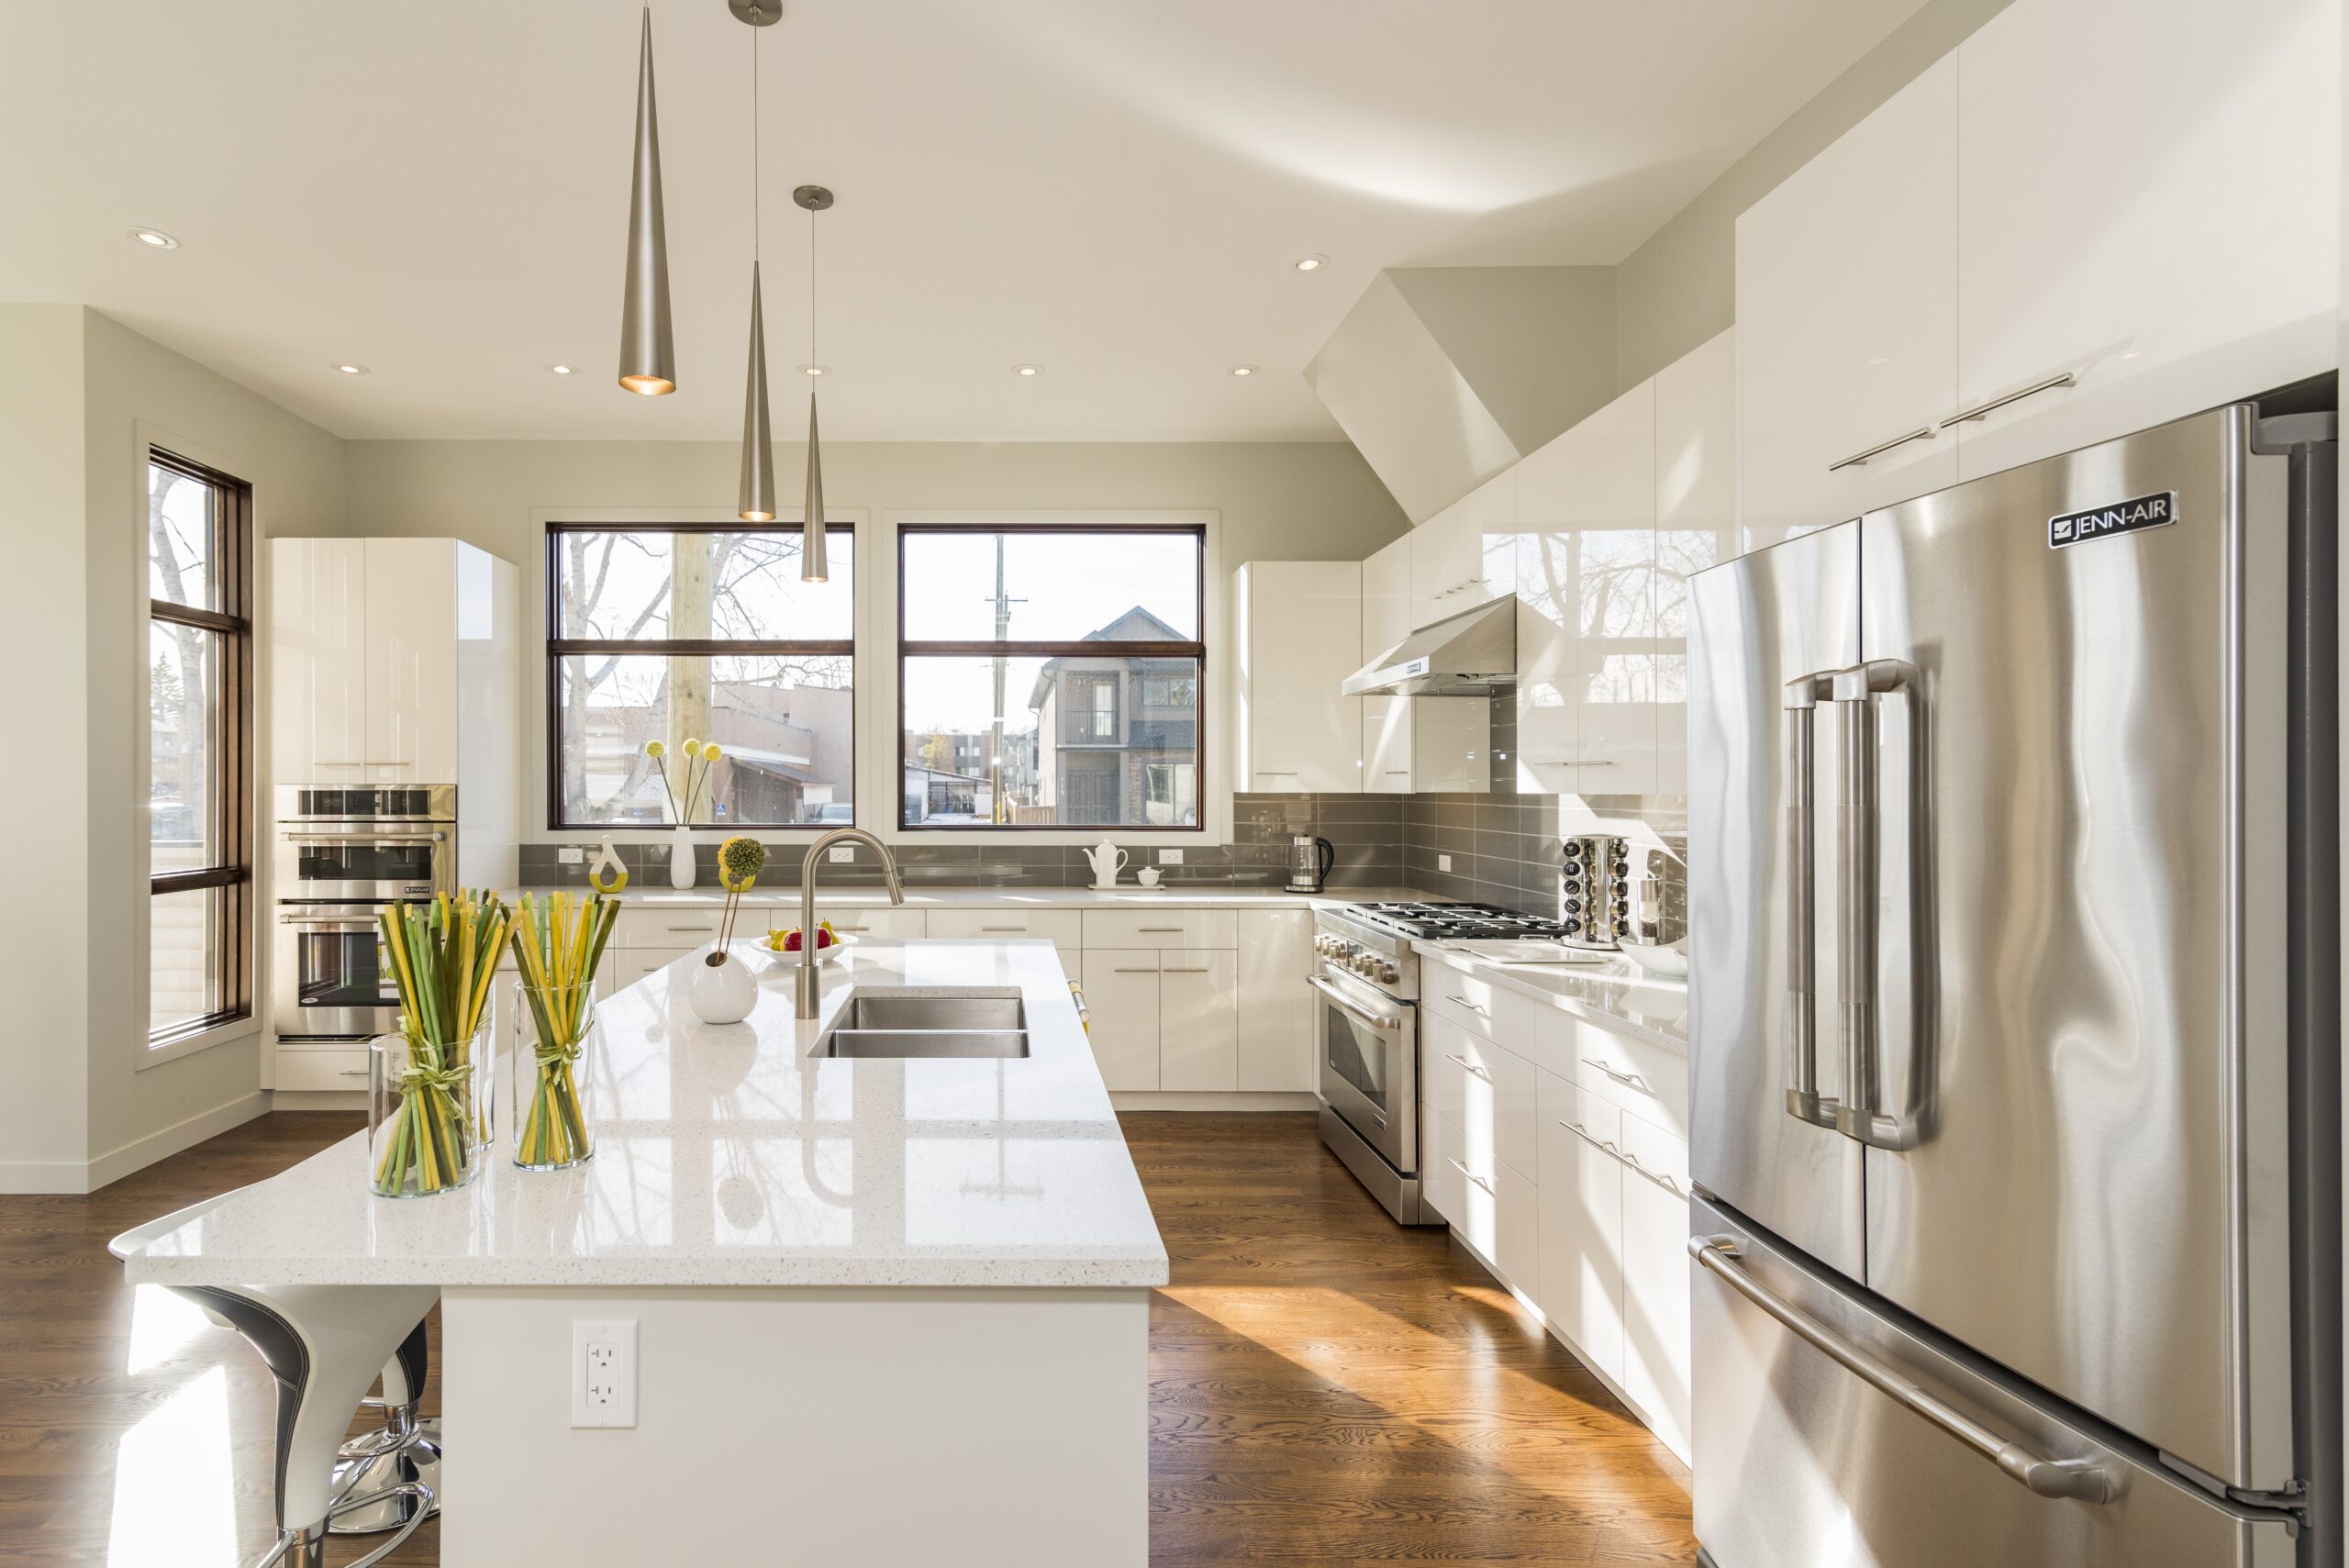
(328, 923)
(438, 836)
(1348, 1005)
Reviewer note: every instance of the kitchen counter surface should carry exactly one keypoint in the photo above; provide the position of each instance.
(725, 1155)
(1126, 896)
(1616, 994)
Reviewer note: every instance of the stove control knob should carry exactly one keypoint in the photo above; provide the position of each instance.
(1389, 974)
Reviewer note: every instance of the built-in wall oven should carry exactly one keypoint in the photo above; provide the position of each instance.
(340, 855)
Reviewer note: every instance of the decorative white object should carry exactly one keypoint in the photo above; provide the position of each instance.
(723, 992)
(681, 857)
(606, 872)
(1671, 960)
(1108, 860)
(1147, 876)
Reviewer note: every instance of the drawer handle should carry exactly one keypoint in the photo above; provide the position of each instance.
(1133, 972)
(1200, 970)
(711, 927)
(1003, 928)
(1981, 410)
(1471, 1176)
(1472, 1007)
(352, 1073)
(1922, 433)
(1591, 1138)
(852, 929)
(1628, 1080)
(1658, 1177)
(1472, 1067)
(1156, 930)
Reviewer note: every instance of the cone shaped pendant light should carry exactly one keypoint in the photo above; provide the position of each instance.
(813, 567)
(758, 446)
(647, 357)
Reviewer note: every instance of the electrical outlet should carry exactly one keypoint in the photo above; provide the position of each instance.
(1170, 857)
(572, 855)
(843, 853)
(603, 1371)
(1443, 863)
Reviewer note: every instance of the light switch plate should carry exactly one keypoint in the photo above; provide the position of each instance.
(603, 1371)
(572, 855)
(843, 853)
(1443, 863)
(1170, 857)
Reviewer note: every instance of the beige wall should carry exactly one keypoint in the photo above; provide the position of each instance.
(1680, 287)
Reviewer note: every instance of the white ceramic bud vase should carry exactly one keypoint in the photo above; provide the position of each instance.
(680, 858)
(722, 990)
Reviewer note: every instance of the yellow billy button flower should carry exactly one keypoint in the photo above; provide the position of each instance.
(654, 748)
(710, 754)
(693, 746)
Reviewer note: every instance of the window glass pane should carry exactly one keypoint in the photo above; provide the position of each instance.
(744, 586)
(179, 568)
(783, 724)
(182, 665)
(1061, 586)
(184, 956)
(1107, 742)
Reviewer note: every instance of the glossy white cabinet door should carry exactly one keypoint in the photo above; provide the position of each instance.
(1121, 993)
(1302, 637)
(1387, 746)
(2172, 255)
(411, 662)
(1386, 598)
(1449, 744)
(1656, 1351)
(317, 661)
(1199, 1020)
(1278, 1050)
(1441, 553)
(1846, 320)
(1582, 1223)
(1696, 522)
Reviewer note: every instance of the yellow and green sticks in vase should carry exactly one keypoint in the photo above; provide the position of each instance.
(558, 942)
(443, 956)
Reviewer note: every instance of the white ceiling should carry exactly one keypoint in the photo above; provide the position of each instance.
(1112, 189)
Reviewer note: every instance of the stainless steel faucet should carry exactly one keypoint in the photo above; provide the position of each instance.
(808, 902)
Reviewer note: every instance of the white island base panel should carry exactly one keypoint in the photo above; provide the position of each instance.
(887, 1428)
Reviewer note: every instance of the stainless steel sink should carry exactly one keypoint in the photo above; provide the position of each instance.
(880, 1022)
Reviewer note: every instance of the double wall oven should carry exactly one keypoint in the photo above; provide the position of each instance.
(341, 854)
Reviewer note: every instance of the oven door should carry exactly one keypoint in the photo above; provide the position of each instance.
(329, 978)
(1370, 1066)
(357, 861)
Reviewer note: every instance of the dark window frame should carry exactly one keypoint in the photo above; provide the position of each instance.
(232, 807)
(560, 648)
(984, 648)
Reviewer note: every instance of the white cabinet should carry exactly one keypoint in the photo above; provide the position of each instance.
(1656, 1351)
(1461, 557)
(1696, 525)
(1582, 1222)
(1121, 995)
(1386, 597)
(1425, 743)
(1276, 1048)
(411, 680)
(1064, 929)
(317, 661)
(1300, 626)
(1847, 319)
(2169, 257)
(1199, 1020)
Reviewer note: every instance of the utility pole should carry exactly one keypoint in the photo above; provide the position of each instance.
(995, 734)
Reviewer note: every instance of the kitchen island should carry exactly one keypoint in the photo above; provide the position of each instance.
(887, 1311)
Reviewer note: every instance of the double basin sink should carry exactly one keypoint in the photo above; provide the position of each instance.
(881, 1021)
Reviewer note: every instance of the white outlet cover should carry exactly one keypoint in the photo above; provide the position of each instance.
(843, 853)
(603, 1371)
(572, 855)
(1443, 863)
(1170, 857)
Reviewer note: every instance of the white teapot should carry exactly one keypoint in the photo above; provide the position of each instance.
(1107, 861)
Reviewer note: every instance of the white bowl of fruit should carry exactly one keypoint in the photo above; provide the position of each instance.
(830, 944)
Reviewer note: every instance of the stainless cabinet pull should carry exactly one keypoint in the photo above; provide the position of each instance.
(1472, 1067)
(1591, 1138)
(1471, 1176)
(1133, 972)
(1338, 1000)
(1176, 930)
(1003, 928)
(1922, 433)
(1658, 1177)
(1201, 969)
(352, 1073)
(852, 929)
(1472, 1007)
(1980, 409)
(2079, 1479)
(1628, 1080)
(710, 927)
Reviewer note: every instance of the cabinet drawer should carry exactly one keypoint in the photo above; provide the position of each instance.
(1443, 1183)
(1488, 1093)
(687, 928)
(1161, 929)
(1462, 998)
(1499, 1214)
(632, 964)
(1647, 1080)
(1062, 927)
(1652, 1152)
(311, 1071)
(888, 925)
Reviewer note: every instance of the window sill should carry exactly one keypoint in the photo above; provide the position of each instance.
(203, 1039)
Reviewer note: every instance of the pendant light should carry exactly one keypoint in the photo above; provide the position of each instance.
(756, 504)
(813, 568)
(648, 356)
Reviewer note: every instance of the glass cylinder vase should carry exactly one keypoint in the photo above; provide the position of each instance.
(553, 1026)
(429, 1111)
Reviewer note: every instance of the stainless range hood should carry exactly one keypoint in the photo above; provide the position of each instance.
(1472, 654)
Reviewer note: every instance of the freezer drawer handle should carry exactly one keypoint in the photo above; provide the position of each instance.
(1804, 1102)
(2079, 1479)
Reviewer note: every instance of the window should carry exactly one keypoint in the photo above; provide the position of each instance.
(682, 631)
(1049, 676)
(199, 789)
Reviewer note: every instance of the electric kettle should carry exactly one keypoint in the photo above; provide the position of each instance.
(1309, 860)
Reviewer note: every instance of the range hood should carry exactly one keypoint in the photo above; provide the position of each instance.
(1472, 654)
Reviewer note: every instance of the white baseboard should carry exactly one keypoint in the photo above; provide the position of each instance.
(1200, 1100)
(319, 1100)
(70, 1177)
(31, 1176)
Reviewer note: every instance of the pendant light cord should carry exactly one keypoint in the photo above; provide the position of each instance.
(754, 144)
(811, 288)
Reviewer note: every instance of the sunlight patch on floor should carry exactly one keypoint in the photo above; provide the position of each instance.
(161, 1323)
(175, 1496)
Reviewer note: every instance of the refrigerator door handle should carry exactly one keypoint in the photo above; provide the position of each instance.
(1804, 1102)
(2078, 1479)
(1862, 1115)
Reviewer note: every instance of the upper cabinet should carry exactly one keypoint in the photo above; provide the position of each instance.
(318, 648)
(1696, 524)
(410, 727)
(2002, 263)
(1461, 557)
(1300, 627)
(1386, 597)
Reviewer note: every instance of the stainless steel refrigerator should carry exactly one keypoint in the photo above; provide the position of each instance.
(2015, 1048)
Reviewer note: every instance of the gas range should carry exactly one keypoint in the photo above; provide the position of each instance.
(1371, 943)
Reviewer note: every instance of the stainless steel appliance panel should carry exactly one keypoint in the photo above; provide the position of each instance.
(1802, 1462)
(2067, 1047)
(1764, 1073)
(327, 976)
(365, 861)
(1369, 1071)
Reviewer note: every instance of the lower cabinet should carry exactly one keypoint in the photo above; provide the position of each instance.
(1656, 1280)
(1199, 1020)
(1582, 1223)
(1122, 994)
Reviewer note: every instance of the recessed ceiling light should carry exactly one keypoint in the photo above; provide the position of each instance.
(814, 370)
(1243, 369)
(153, 238)
(1311, 263)
(1027, 370)
(560, 370)
(347, 368)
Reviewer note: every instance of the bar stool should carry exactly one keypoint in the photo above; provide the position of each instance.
(407, 1447)
(325, 1345)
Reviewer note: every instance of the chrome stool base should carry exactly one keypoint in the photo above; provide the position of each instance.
(307, 1548)
(382, 1462)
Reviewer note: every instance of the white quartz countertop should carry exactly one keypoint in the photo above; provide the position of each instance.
(726, 1155)
(1126, 896)
(1617, 993)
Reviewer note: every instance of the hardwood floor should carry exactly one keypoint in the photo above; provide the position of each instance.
(1326, 1387)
